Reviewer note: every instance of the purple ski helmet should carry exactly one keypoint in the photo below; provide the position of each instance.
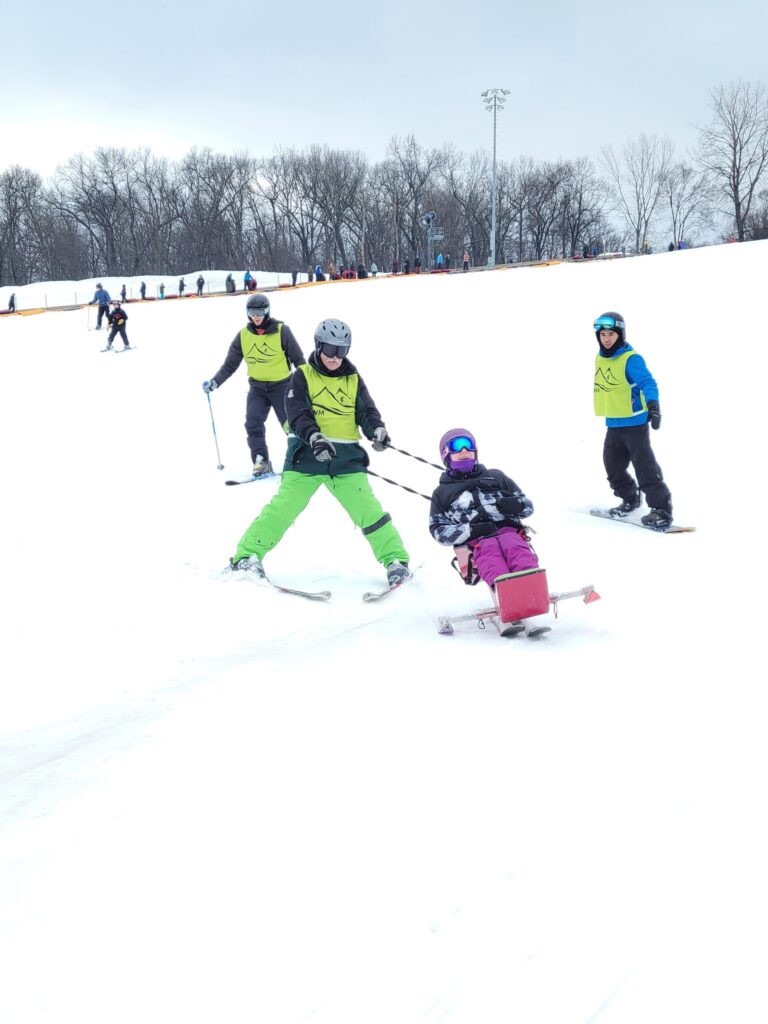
(455, 440)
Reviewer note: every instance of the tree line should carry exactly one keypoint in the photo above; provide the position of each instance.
(129, 213)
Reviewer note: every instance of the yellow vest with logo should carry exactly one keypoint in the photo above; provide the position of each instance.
(333, 403)
(613, 392)
(264, 356)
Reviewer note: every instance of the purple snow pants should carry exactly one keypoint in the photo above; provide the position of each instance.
(505, 552)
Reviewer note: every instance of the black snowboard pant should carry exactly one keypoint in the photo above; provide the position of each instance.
(114, 331)
(263, 396)
(633, 444)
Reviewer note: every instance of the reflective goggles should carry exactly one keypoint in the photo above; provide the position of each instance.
(258, 311)
(461, 444)
(608, 323)
(334, 351)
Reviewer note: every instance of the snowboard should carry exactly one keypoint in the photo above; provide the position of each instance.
(605, 514)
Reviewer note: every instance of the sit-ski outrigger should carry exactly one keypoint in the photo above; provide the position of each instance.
(518, 596)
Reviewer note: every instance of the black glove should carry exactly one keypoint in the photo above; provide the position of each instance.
(654, 414)
(209, 386)
(509, 506)
(381, 439)
(479, 530)
(321, 447)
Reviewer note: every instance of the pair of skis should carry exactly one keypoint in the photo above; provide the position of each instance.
(325, 595)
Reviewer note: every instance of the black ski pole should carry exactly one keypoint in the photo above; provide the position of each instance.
(215, 438)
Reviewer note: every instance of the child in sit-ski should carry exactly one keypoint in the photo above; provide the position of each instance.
(480, 508)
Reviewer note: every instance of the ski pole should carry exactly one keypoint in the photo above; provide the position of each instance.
(396, 484)
(215, 438)
(418, 458)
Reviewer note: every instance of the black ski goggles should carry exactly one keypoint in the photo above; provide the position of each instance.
(334, 351)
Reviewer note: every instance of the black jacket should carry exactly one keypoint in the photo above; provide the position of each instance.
(461, 502)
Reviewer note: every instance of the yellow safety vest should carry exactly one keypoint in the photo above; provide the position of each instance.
(333, 403)
(613, 392)
(264, 356)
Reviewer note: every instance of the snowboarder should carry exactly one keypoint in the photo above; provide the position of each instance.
(101, 296)
(627, 395)
(270, 350)
(328, 404)
(480, 508)
(117, 318)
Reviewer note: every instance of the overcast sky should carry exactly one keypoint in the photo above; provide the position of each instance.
(255, 77)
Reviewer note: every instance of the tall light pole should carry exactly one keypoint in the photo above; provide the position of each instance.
(494, 100)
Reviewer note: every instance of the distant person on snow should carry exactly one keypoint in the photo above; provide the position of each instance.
(627, 395)
(12, 303)
(480, 508)
(182, 286)
(161, 289)
(269, 349)
(117, 318)
(101, 297)
(124, 293)
(143, 290)
(200, 282)
(328, 405)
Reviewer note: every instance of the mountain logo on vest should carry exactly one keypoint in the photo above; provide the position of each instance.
(607, 381)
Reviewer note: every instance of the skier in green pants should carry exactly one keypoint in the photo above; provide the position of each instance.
(327, 406)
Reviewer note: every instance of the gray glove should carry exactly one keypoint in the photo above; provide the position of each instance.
(209, 386)
(381, 439)
(321, 447)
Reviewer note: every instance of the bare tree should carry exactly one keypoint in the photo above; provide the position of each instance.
(733, 148)
(636, 180)
(687, 197)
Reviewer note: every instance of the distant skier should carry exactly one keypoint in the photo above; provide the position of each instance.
(269, 349)
(627, 395)
(117, 318)
(481, 508)
(101, 297)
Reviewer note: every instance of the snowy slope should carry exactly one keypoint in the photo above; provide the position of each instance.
(223, 803)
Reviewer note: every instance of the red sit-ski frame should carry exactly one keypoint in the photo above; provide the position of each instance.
(518, 595)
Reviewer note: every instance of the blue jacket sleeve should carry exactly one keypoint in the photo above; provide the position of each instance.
(639, 374)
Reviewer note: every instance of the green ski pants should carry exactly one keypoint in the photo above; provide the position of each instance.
(352, 490)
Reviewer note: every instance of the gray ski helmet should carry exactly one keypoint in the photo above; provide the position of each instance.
(611, 321)
(257, 305)
(333, 338)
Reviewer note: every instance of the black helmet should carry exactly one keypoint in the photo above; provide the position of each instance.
(333, 338)
(257, 305)
(611, 321)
